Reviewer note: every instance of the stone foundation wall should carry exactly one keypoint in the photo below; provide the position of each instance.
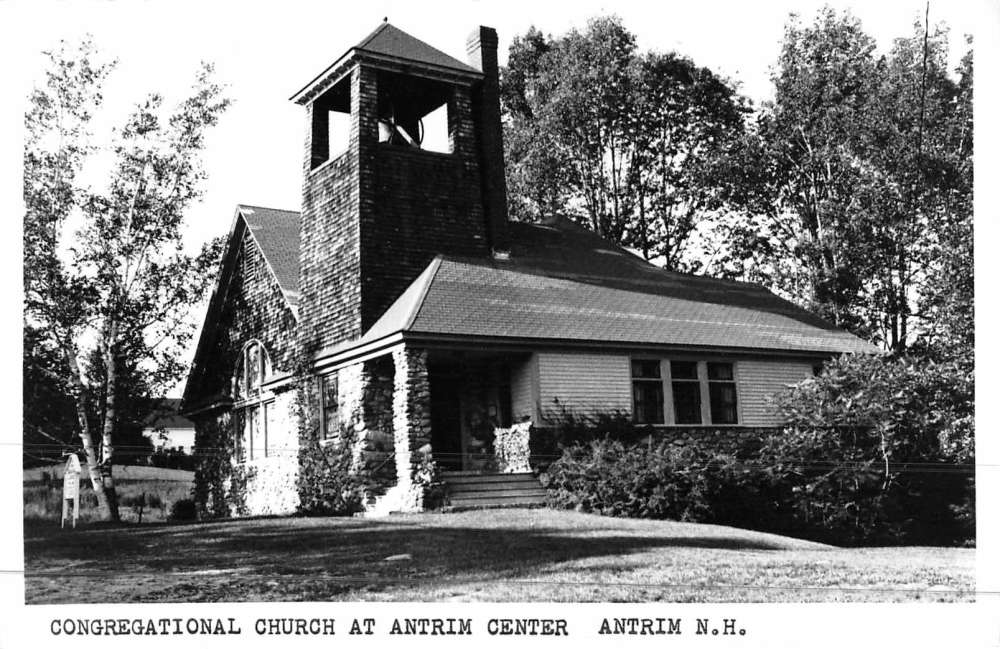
(734, 440)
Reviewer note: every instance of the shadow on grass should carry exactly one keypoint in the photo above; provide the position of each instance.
(319, 558)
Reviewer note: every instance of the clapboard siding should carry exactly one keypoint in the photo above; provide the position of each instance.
(760, 380)
(584, 382)
(523, 388)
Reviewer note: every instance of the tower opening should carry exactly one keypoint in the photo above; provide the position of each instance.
(413, 112)
(331, 123)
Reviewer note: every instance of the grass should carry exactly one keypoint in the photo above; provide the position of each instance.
(505, 555)
(122, 473)
(158, 488)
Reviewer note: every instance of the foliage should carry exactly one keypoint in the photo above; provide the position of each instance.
(878, 450)
(614, 138)
(852, 192)
(563, 427)
(660, 480)
(43, 500)
(114, 295)
(329, 483)
(184, 510)
(173, 458)
(912, 407)
(882, 447)
(48, 415)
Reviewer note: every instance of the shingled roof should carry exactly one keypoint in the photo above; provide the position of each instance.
(277, 234)
(390, 45)
(565, 283)
(388, 40)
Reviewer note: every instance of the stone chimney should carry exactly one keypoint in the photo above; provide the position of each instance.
(481, 47)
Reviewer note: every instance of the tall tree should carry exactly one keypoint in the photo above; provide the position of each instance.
(686, 117)
(843, 190)
(795, 175)
(117, 290)
(615, 139)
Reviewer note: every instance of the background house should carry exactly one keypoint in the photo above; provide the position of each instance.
(167, 428)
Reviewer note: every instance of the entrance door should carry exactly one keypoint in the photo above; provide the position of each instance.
(446, 419)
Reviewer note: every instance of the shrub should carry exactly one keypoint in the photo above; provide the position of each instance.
(184, 509)
(565, 427)
(329, 483)
(864, 463)
(880, 449)
(657, 480)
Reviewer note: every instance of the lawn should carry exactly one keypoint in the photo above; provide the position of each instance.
(499, 555)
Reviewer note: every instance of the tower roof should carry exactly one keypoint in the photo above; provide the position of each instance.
(388, 40)
(390, 45)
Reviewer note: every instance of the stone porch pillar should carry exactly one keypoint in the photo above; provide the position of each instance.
(411, 424)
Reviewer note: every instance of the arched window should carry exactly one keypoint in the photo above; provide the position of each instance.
(253, 368)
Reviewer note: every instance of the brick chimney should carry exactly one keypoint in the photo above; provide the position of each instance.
(481, 47)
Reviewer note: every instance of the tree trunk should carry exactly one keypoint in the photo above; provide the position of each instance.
(101, 481)
(107, 444)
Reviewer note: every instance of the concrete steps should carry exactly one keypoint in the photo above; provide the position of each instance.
(467, 490)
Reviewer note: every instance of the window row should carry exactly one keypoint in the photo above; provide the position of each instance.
(683, 392)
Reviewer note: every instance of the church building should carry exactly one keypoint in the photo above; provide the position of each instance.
(401, 328)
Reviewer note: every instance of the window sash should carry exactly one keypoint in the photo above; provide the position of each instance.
(329, 396)
(647, 401)
(687, 402)
(723, 401)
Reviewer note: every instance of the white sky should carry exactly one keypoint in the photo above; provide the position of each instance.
(265, 51)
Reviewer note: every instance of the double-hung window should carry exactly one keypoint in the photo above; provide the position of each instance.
(722, 393)
(647, 391)
(329, 395)
(253, 368)
(686, 388)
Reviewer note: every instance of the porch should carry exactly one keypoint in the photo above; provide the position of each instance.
(426, 416)
(470, 399)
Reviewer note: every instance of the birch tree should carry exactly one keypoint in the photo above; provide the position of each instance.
(106, 274)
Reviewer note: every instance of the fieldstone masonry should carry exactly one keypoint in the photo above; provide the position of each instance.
(366, 394)
(411, 423)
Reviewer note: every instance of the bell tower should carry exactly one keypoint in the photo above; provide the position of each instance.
(403, 161)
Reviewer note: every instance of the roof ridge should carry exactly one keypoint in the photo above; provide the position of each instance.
(371, 36)
(432, 271)
(242, 206)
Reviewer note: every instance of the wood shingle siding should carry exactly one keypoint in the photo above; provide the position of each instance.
(760, 380)
(584, 382)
